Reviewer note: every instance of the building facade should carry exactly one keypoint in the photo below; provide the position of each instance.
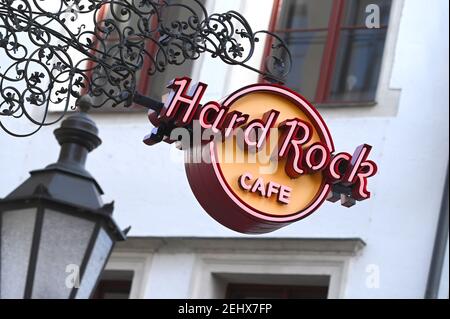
(385, 86)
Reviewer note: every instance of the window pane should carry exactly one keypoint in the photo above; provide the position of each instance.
(303, 24)
(64, 241)
(306, 49)
(157, 84)
(16, 238)
(359, 54)
(113, 289)
(114, 284)
(99, 256)
(304, 14)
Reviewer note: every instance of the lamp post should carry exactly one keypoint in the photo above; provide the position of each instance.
(55, 230)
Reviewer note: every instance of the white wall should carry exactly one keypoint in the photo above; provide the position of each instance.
(411, 149)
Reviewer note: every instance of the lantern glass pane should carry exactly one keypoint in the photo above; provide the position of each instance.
(100, 253)
(64, 242)
(16, 237)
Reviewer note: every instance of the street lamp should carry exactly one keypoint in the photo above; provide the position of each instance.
(55, 230)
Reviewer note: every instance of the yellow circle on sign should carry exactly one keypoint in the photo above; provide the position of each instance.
(235, 161)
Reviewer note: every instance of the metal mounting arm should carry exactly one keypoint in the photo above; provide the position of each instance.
(50, 56)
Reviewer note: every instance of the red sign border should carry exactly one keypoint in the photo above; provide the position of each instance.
(218, 199)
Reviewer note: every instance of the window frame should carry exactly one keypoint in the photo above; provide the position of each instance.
(109, 285)
(283, 291)
(273, 259)
(144, 80)
(133, 261)
(329, 56)
(209, 263)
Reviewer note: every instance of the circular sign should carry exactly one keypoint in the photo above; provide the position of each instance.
(260, 185)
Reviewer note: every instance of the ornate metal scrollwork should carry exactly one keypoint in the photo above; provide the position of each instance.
(53, 51)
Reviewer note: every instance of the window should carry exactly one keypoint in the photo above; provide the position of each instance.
(155, 86)
(246, 291)
(114, 285)
(152, 85)
(336, 57)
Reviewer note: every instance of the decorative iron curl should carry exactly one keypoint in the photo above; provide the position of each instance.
(54, 51)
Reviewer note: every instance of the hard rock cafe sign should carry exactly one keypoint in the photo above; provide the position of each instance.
(261, 158)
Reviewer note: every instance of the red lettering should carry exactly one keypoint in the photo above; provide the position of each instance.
(337, 167)
(317, 157)
(294, 134)
(233, 120)
(256, 132)
(214, 122)
(358, 171)
(265, 190)
(181, 96)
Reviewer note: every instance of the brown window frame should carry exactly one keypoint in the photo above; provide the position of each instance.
(329, 56)
(144, 80)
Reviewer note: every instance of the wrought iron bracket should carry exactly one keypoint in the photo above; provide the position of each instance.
(49, 56)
